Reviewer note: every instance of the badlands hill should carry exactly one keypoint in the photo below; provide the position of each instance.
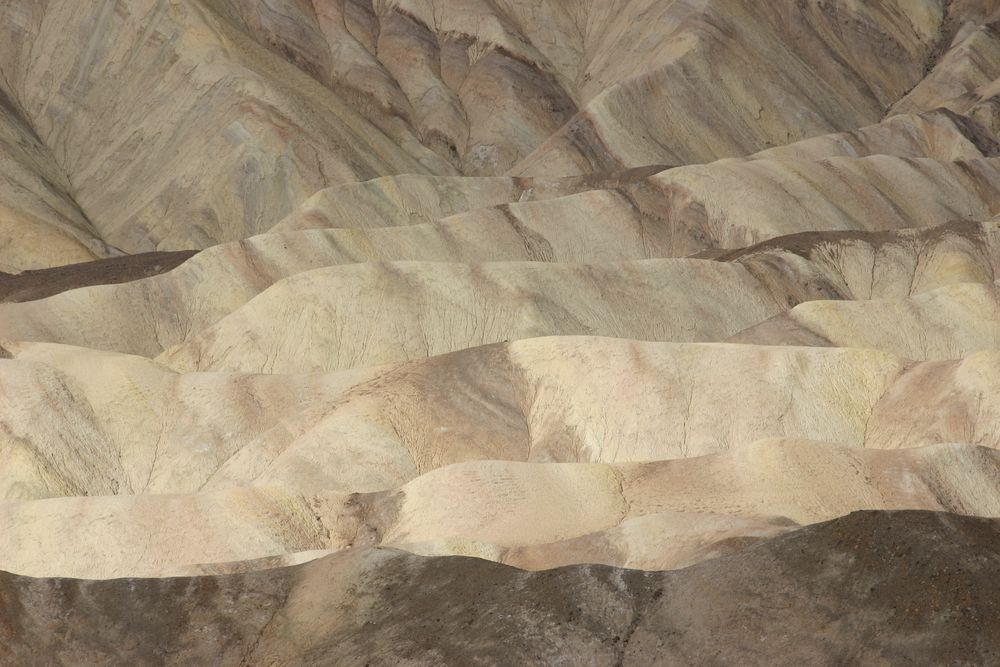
(514, 331)
(922, 590)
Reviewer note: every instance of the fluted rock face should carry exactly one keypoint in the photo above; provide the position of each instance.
(450, 331)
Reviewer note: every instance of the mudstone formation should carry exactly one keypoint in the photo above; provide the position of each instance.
(606, 332)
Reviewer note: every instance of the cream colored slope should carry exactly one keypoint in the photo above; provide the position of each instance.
(610, 401)
(606, 400)
(966, 78)
(522, 504)
(124, 425)
(40, 223)
(175, 128)
(368, 314)
(465, 76)
(819, 184)
(412, 199)
(501, 504)
(126, 106)
(947, 323)
(408, 199)
(146, 316)
(82, 422)
(156, 533)
(892, 265)
(941, 401)
(737, 203)
(484, 83)
(938, 134)
(632, 199)
(816, 70)
(150, 431)
(963, 75)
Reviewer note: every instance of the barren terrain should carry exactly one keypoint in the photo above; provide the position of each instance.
(621, 332)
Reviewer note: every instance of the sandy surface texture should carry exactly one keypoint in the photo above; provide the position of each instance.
(412, 332)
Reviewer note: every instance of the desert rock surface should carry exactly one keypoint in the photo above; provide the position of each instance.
(377, 332)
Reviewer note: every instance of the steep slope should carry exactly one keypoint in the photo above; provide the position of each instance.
(486, 509)
(485, 84)
(368, 314)
(175, 129)
(947, 323)
(127, 426)
(280, 479)
(42, 223)
(184, 124)
(148, 316)
(303, 304)
(814, 70)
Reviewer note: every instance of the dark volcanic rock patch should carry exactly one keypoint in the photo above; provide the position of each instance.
(40, 283)
(869, 588)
